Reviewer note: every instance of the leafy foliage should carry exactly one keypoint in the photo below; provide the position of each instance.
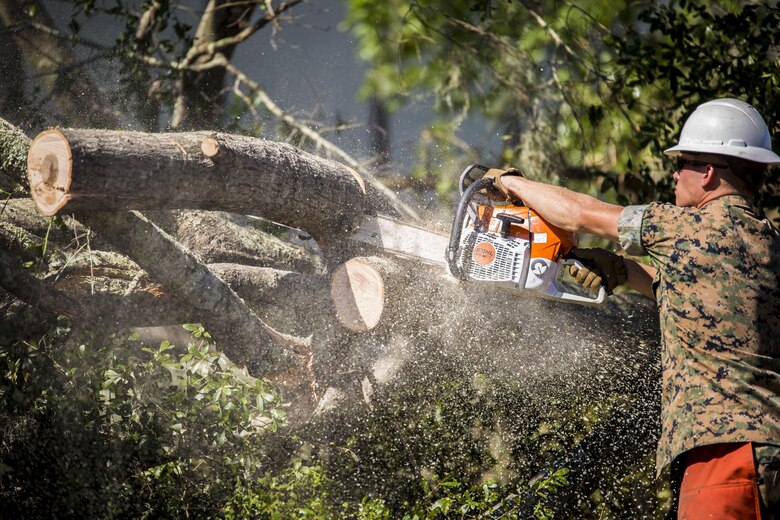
(536, 71)
(94, 425)
(700, 50)
(586, 93)
(127, 435)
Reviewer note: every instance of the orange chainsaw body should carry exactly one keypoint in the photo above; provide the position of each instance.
(547, 241)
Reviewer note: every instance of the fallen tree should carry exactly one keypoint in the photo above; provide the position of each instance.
(88, 172)
(340, 327)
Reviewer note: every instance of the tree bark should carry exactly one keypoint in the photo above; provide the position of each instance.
(295, 293)
(93, 170)
(229, 238)
(13, 158)
(236, 328)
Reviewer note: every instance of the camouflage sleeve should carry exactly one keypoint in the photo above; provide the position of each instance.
(664, 225)
(629, 226)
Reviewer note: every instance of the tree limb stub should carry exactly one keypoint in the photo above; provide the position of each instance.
(237, 328)
(95, 170)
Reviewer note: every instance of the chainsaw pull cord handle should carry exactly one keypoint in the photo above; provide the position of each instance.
(506, 222)
(457, 223)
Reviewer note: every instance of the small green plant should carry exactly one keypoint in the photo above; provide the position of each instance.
(547, 487)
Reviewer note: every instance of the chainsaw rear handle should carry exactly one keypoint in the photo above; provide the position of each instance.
(599, 299)
(460, 216)
(470, 175)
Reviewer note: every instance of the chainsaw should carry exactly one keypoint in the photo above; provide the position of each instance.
(509, 246)
(496, 245)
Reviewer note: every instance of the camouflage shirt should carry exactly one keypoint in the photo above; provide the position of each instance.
(718, 293)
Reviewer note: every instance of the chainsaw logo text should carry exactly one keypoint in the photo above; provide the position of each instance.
(484, 253)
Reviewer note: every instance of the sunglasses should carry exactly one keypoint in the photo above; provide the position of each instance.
(682, 163)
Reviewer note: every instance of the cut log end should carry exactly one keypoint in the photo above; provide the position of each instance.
(49, 169)
(358, 293)
(210, 147)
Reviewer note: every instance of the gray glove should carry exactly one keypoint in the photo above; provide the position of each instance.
(601, 268)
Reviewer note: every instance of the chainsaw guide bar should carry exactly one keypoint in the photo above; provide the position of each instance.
(402, 239)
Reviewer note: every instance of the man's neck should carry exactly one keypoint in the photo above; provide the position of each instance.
(721, 191)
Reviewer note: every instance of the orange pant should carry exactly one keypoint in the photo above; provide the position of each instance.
(719, 483)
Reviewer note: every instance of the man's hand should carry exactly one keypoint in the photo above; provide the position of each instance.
(500, 192)
(601, 267)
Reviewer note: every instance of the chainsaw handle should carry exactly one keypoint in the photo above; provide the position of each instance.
(470, 175)
(506, 222)
(600, 297)
(457, 225)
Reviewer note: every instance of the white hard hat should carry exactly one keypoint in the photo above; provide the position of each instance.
(727, 127)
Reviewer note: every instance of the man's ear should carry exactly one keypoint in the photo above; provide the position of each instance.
(710, 180)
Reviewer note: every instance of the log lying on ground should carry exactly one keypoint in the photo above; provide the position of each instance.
(92, 285)
(214, 237)
(236, 327)
(229, 238)
(92, 170)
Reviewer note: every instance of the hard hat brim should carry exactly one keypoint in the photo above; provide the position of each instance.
(748, 153)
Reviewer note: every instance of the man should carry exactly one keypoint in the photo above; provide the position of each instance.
(716, 278)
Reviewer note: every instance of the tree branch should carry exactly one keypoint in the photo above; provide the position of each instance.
(236, 327)
(212, 47)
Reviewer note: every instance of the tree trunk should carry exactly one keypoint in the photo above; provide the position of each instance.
(13, 158)
(379, 128)
(92, 170)
(229, 238)
(201, 95)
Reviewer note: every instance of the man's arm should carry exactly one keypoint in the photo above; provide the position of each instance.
(567, 209)
(580, 213)
(640, 277)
